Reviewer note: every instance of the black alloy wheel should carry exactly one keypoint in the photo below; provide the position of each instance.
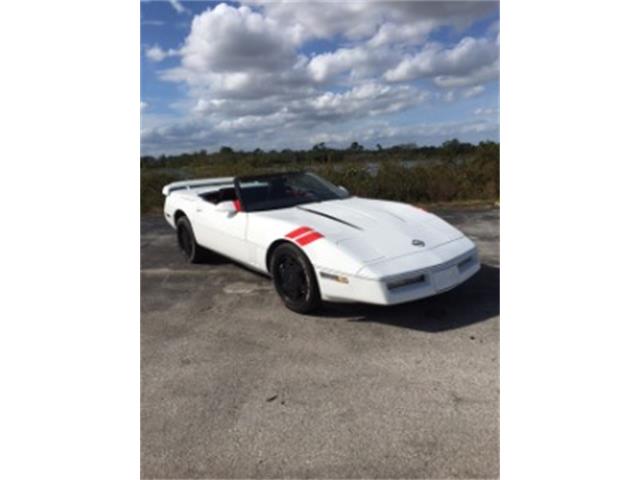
(192, 252)
(294, 279)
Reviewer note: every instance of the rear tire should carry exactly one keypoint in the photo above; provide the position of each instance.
(294, 279)
(193, 253)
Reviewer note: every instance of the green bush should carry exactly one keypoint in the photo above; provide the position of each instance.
(151, 183)
(453, 172)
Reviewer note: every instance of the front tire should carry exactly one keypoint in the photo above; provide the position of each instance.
(294, 279)
(193, 253)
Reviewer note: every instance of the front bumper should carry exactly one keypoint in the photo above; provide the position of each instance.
(393, 281)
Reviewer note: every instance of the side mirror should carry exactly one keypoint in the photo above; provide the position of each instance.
(344, 190)
(225, 207)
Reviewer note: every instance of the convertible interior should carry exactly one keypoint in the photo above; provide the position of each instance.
(222, 195)
(274, 192)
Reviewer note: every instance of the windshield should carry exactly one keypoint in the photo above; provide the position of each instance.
(282, 190)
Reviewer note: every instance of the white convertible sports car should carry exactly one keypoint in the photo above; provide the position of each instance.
(317, 242)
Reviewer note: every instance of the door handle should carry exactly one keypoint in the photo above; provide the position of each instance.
(198, 209)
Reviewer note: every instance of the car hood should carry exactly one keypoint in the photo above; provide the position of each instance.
(372, 230)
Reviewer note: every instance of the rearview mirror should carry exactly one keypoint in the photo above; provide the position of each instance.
(343, 190)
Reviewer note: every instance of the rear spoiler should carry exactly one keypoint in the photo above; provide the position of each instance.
(188, 184)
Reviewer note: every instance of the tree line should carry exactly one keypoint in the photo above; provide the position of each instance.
(452, 171)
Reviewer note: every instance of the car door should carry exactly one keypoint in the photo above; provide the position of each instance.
(221, 231)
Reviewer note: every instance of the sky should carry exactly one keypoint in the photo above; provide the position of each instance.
(275, 74)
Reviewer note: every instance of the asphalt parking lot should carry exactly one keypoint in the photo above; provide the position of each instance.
(233, 385)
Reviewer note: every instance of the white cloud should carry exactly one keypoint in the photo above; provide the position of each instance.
(155, 53)
(412, 34)
(290, 123)
(153, 23)
(239, 52)
(178, 7)
(485, 111)
(253, 133)
(465, 58)
(247, 79)
(369, 99)
(362, 101)
(473, 91)
(482, 74)
(471, 61)
(179, 136)
(360, 62)
(229, 39)
(449, 96)
(456, 94)
(362, 19)
(321, 19)
(143, 105)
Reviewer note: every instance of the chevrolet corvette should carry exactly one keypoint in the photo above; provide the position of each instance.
(317, 242)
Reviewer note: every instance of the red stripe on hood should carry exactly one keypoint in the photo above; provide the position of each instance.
(308, 238)
(297, 232)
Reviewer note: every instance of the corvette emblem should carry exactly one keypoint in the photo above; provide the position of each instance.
(418, 243)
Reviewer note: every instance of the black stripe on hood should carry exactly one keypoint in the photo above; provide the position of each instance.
(330, 217)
